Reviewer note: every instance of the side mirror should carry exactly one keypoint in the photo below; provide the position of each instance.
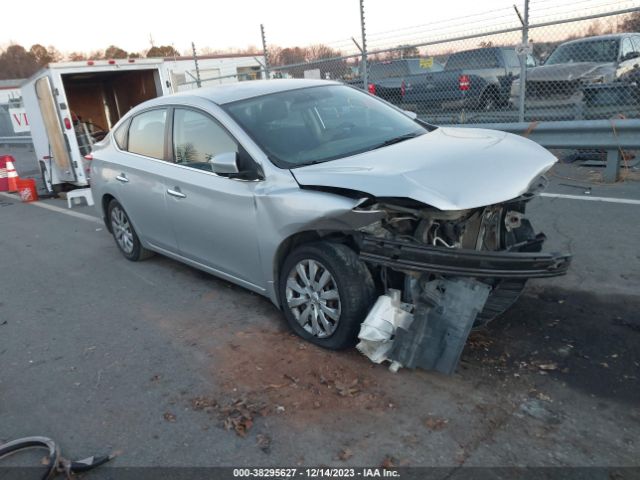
(225, 163)
(410, 114)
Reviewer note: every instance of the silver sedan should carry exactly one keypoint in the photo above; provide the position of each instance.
(321, 197)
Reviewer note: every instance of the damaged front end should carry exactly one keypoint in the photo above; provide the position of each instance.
(443, 273)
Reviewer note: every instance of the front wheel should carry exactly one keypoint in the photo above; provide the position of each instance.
(124, 234)
(326, 292)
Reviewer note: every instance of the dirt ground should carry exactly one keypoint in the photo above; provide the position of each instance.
(175, 368)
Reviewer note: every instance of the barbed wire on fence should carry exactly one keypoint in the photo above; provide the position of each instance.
(470, 69)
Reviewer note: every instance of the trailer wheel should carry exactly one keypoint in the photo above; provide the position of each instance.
(53, 190)
(124, 234)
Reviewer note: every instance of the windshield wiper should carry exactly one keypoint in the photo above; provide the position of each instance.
(398, 139)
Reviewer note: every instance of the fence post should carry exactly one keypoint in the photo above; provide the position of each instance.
(365, 79)
(195, 59)
(523, 63)
(265, 53)
(612, 169)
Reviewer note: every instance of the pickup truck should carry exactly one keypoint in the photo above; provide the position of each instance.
(475, 79)
(388, 79)
(580, 69)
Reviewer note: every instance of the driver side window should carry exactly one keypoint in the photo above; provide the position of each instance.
(197, 138)
(626, 49)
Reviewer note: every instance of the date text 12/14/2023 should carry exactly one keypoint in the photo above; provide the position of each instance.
(315, 473)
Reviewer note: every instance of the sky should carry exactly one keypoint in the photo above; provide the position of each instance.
(75, 25)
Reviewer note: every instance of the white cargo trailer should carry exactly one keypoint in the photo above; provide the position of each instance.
(71, 105)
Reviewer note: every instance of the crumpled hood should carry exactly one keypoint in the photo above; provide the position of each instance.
(448, 168)
(568, 71)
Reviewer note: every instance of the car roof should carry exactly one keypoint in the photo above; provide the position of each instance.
(611, 36)
(233, 92)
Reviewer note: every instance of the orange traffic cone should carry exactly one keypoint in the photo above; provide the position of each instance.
(4, 184)
(12, 176)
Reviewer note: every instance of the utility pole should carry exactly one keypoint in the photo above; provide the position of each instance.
(363, 64)
(195, 59)
(265, 52)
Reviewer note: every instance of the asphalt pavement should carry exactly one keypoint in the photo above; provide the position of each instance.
(168, 366)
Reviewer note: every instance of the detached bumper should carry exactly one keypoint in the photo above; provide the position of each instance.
(408, 256)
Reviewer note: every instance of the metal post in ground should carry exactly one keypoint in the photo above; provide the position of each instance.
(265, 52)
(195, 59)
(363, 64)
(612, 169)
(523, 62)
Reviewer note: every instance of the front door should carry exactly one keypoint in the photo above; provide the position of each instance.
(213, 216)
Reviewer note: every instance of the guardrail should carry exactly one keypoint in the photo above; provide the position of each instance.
(613, 136)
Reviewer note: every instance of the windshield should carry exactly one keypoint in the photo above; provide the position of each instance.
(318, 124)
(601, 51)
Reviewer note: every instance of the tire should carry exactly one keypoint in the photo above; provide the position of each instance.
(55, 189)
(489, 101)
(335, 305)
(124, 234)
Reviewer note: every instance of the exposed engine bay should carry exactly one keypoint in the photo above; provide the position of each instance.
(443, 273)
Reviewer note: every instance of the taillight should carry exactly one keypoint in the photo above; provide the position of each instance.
(403, 89)
(90, 62)
(112, 62)
(464, 82)
(88, 156)
(67, 123)
(372, 89)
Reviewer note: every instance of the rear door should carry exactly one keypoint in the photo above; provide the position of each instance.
(47, 128)
(140, 170)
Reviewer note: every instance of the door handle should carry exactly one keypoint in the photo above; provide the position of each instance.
(176, 193)
(122, 178)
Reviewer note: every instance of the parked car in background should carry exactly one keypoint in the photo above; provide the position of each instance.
(577, 64)
(388, 79)
(322, 197)
(475, 79)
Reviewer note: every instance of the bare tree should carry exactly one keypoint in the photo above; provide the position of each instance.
(115, 52)
(16, 62)
(631, 23)
(162, 51)
(77, 56)
(403, 51)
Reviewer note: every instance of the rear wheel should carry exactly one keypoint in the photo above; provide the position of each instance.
(124, 234)
(326, 292)
(489, 101)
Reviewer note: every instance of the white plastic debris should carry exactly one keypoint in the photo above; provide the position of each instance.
(378, 329)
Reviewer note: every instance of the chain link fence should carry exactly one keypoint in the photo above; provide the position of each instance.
(533, 62)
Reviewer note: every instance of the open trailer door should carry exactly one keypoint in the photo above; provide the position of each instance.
(59, 153)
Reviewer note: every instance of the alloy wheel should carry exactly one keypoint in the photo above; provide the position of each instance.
(313, 298)
(122, 230)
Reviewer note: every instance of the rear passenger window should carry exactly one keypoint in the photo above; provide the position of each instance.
(197, 138)
(120, 135)
(146, 133)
